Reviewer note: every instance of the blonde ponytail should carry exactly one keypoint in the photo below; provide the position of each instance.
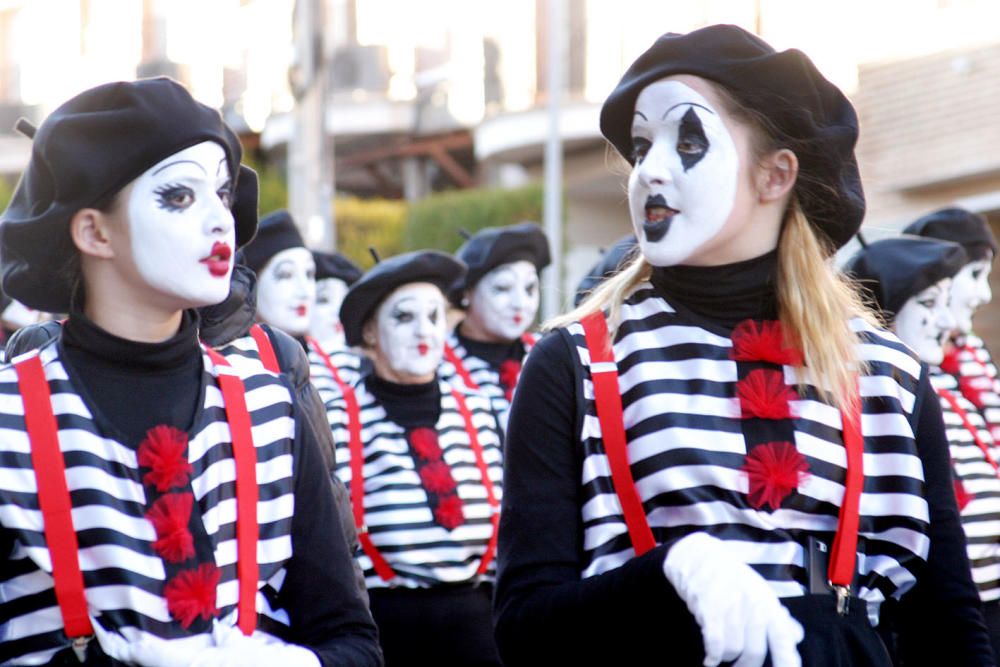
(815, 305)
(608, 295)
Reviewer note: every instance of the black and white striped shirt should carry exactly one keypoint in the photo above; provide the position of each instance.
(484, 375)
(977, 482)
(972, 365)
(686, 448)
(399, 518)
(347, 363)
(123, 575)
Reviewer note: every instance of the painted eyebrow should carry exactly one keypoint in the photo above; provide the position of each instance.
(680, 104)
(639, 113)
(171, 164)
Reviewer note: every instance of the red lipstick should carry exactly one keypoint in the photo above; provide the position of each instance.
(423, 349)
(218, 261)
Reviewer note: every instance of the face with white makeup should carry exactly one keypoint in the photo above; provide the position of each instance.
(692, 192)
(405, 337)
(970, 289)
(325, 324)
(503, 303)
(925, 322)
(181, 232)
(286, 291)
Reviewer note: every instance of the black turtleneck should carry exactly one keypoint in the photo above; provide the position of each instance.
(409, 405)
(492, 353)
(723, 295)
(132, 386)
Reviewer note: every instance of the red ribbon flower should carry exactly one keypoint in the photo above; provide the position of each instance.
(163, 451)
(764, 394)
(191, 594)
(510, 371)
(436, 477)
(762, 341)
(425, 443)
(774, 470)
(449, 513)
(169, 516)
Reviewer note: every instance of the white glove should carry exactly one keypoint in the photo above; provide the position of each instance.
(234, 649)
(739, 615)
(150, 651)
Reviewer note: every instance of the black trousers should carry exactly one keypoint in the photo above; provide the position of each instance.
(443, 625)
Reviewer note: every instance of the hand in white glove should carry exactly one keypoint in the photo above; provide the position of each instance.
(739, 615)
(234, 649)
(150, 651)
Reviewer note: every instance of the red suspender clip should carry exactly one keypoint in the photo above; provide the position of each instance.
(844, 554)
(607, 399)
(247, 493)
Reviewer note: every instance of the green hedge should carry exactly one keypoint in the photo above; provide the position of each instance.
(434, 221)
(362, 223)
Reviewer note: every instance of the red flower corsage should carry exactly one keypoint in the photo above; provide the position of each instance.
(163, 451)
(764, 394)
(774, 470)
(169, 516)
(762, 341)
(436, 478)
(449, 512)
(425, 443)
(510, 371)
(191, 594)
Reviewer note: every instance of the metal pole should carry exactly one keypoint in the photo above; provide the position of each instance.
(552, 277)
(310, 164)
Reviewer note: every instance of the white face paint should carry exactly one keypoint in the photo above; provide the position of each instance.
(181, 229)
(410, 332)
(325, 324)
(504, 302)
(925, 322)
(286, 291)
(970, 289)
(683, 187)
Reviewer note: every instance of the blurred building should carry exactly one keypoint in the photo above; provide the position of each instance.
(439, 94)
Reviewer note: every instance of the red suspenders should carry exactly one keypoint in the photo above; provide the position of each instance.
(381, 566)
(963, 415)
(53, 496)
(328, 362)
(265, 349)
(54, 500)
(607, 399)
(452, 358)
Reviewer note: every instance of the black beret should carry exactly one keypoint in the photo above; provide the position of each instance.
(613, 260)
(276, 232)
(364, 296)
(335, 265)
(491, 247)
(810, 114)
(969, 229)
(82, 155)
(896, 269)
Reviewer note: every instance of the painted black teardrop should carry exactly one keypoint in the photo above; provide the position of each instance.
(691, 137)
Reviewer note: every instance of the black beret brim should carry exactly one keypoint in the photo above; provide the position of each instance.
(365, 295)
(496, 246)
(894, 270)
